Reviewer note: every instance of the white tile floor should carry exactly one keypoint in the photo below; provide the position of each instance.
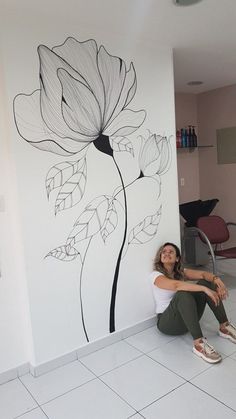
(148, 375)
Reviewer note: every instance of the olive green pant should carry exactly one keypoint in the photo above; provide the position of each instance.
(186, 309)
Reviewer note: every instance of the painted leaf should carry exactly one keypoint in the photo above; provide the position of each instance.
(73, 189)
(61, 172)
(146, 230)
(111, 221)
(64, 253)
(121, 144)
(90, 221)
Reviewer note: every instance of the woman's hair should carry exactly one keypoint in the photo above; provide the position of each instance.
(178, 268)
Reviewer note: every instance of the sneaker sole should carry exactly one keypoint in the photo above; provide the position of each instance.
(223, 335)
(201, 355)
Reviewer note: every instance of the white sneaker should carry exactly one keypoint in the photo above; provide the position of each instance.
(206, 352)
(228, 332)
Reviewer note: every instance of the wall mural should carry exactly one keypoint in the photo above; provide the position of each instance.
(84, 99)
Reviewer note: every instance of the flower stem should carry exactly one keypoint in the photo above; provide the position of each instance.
(80, 292)
(116, 275)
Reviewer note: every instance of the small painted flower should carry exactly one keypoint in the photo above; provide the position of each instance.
(154, 157)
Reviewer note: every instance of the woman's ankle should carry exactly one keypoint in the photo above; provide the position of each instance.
(197, 341)
(223, 325)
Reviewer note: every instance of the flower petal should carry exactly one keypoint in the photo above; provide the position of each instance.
(163, 145)
(130, 85)
(32, 128)
(113, 72)
(150, 156)
(127, 93)
(51, 92)
(82, 57)
(125, 123)
(79, 106)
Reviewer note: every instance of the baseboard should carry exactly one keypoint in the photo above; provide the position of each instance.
(37, 370)
(14, 373)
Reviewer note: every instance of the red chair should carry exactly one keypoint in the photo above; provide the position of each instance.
(213, 231)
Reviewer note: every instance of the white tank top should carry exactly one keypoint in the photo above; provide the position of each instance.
(162, 297)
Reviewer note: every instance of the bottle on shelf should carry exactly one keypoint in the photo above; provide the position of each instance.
(190, 136)
(194, 136)
(178, 138)
(186, 137)
(182, 136)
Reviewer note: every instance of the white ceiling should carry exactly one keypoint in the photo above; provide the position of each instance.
(203, 36)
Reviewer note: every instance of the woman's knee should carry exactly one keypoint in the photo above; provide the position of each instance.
(184, 298)
(184, 295)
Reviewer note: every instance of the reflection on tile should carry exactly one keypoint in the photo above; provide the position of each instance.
(110, 357)
(187, 402)
(178, 357)
(92, 400)
(142, 381)
(219, 382)
(48, 386)
(14, 400)
(148, 339)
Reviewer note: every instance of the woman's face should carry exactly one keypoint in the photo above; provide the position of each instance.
(168, 255)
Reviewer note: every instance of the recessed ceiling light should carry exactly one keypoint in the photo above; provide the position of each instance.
(194, 83)
(185, 2)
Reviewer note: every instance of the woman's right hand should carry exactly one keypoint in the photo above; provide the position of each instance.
(213, 295)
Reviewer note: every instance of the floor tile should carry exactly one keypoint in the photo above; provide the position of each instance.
(34, 414)
(142, 381)
(92, 400)
(229, 305)
(110, 357)
(14, 391)
(178, 357)
(187, 402)
(232, 316)
(232, 293)
(233, 356)
(149, 339)
(219, 381)
(48, 386)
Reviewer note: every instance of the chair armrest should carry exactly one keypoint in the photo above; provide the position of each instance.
(208, 243)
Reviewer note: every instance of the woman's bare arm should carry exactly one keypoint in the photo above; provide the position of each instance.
(195, 275)
(176, 285)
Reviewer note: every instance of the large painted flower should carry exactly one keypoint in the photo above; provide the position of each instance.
(154, 156)
(83, 98)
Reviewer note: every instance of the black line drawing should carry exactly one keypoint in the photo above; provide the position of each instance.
(83, 99)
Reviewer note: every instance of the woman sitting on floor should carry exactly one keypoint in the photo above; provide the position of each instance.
(180, 304)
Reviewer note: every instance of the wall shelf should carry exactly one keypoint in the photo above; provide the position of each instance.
(191, 149)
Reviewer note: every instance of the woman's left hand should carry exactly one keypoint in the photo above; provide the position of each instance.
(221, 288)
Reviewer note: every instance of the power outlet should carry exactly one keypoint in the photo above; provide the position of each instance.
(182, 181)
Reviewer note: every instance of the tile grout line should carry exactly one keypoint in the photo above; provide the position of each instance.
(115, 368)
(38, 405)
(67, 392)
(162, 397)
(213, 397)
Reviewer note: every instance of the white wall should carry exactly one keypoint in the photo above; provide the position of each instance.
(51, 286)
(187, 161)
(15, 327)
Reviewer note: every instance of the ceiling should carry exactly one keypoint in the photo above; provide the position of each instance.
(202, 36)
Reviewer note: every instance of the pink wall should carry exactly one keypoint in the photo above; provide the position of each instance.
(187, 162)
(217, 109)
